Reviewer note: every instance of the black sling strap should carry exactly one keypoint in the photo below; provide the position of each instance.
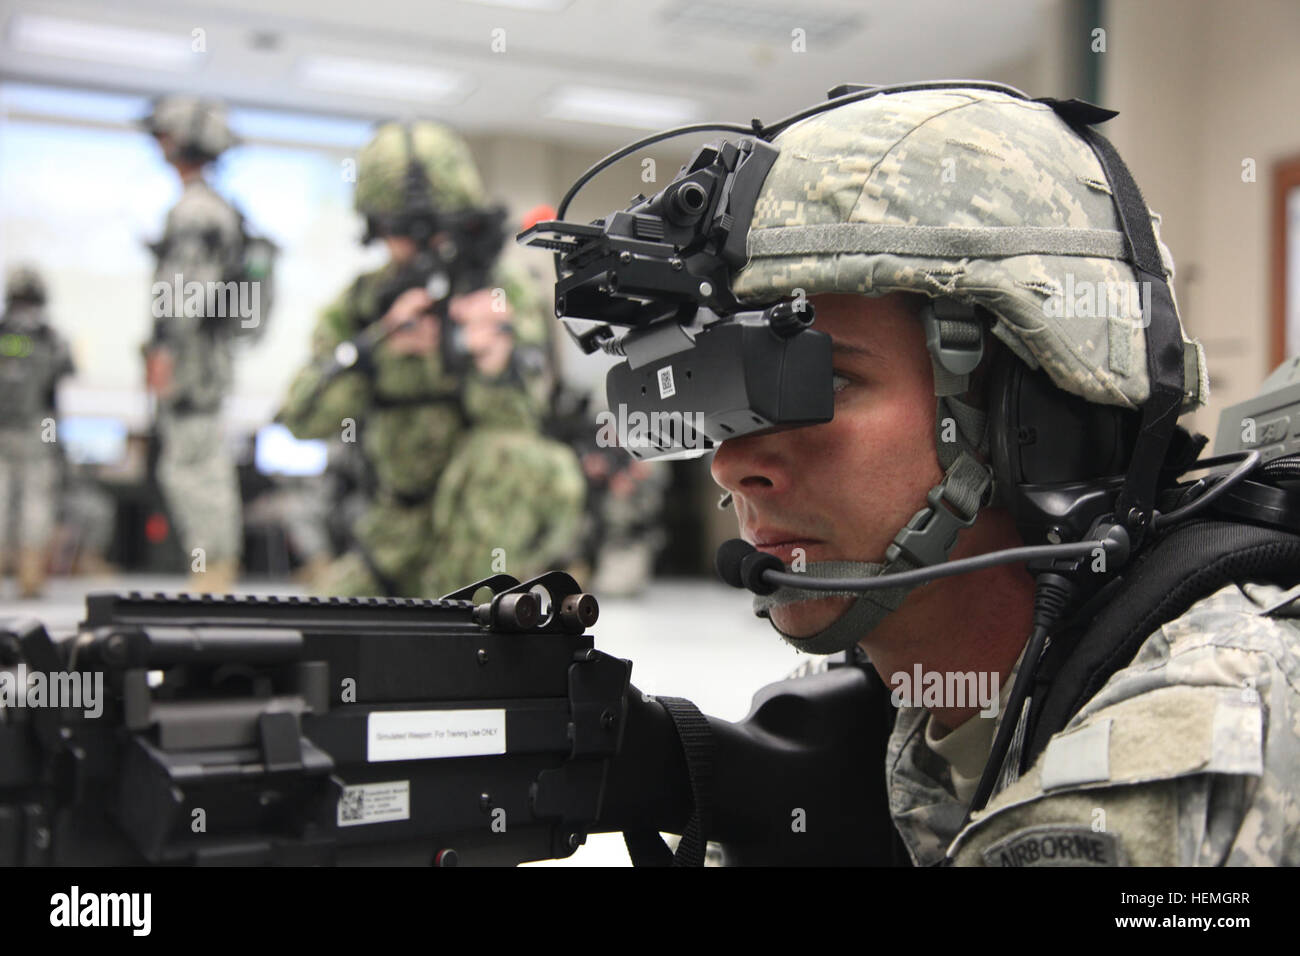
(646, 847)
(1165, 359)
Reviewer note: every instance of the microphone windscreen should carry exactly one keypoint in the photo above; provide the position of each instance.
(752, 567)
(727, 561)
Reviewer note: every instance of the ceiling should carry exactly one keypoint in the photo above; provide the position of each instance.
(500, 69)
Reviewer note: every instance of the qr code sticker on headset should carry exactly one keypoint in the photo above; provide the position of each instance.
(666, 387)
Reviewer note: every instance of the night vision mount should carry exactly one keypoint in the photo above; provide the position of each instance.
(699, 368)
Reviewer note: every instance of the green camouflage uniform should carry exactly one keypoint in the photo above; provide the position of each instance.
(202, 243)
(33, 357)
(463, 484)
(457, 465)
(1190, 754)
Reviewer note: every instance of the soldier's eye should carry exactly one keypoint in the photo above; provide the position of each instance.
(839, 382)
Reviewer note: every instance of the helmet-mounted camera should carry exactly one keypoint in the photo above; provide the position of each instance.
(699, 367)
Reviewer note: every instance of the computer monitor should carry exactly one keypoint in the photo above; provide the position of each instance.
(92, 440)
(277, 452)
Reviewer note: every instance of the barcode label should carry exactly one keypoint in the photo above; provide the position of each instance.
(375, 803)
(666, 387)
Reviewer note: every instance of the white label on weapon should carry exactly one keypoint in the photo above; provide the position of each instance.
(666, 387)
(425, 734)
(375, 803)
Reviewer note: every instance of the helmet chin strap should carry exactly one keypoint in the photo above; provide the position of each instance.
(954, 337)
(849, 627)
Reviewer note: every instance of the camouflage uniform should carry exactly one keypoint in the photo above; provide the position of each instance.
(457, 466)
(1190, 754)
(463, 485)
(202, 243)
(33, 357)
(1186, 757)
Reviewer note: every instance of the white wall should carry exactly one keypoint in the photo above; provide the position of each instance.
(1201, 86)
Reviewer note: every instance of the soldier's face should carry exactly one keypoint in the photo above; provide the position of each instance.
(401, 249)
(843, 490)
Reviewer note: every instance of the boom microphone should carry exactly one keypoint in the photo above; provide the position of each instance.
(742, 565)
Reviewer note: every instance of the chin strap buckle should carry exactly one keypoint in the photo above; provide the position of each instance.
(952, 505)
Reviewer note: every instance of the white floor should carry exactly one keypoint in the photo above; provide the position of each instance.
(692, 639)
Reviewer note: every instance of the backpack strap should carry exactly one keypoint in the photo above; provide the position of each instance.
(1191, 562)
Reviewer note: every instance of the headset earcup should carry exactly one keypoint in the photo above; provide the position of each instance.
(1056, 457)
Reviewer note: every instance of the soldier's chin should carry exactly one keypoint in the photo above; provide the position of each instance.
(805, 618)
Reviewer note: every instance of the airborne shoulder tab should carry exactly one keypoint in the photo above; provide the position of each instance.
(1056, 845)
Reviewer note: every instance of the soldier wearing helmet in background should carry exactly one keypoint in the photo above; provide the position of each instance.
(33, 357)
(462, 484)
(188, 358)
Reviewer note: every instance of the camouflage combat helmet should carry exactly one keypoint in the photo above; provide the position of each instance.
(968, 194)
(24, 284)
(446, 177)
(196, 129)
(995, 208)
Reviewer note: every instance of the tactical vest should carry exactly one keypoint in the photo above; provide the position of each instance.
(30, 366)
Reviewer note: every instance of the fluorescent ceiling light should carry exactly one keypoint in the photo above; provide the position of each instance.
(761, 21)
(541, 6)
(101, 42)
(338, 74)
(591, 104)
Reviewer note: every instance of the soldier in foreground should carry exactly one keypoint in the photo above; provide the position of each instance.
(1004, 370)
(188, 358)
(463, 485)
(1189, 754)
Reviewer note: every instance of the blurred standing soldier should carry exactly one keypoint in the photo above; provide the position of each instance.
(33, 357)
(462, 484)
(188, 359)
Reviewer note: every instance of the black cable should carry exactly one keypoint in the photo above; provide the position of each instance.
(627, 150)
(633, 147)
(1052, 597)
(1252, 461)
(1073, 549)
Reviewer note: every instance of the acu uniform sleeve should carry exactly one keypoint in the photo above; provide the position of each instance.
(1190, 756)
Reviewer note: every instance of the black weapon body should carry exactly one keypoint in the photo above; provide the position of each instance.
(244, 730)
(365, 731)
